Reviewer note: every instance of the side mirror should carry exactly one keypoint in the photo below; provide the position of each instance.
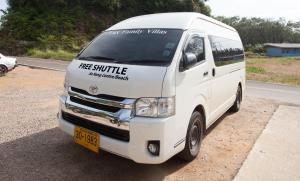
(189, 60)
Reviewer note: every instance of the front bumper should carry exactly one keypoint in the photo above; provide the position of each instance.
(141, 130)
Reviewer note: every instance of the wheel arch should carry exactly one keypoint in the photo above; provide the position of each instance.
(4, 65)
(200, 108)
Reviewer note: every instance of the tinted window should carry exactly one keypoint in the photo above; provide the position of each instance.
(196, 46)
(135, 46)
(226, 51)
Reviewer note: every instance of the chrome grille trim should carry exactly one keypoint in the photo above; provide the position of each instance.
(125, 104)
(119, 120)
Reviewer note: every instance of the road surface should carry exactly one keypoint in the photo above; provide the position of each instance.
(43, 63)
(277, 92)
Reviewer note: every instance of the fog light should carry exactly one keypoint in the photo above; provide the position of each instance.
(153, 147)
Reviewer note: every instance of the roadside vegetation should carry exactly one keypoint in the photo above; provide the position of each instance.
(60, 28)
(51, 54)
(285, 70)
(255, 32)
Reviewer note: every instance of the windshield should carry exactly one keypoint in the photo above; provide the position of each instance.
(134, 46)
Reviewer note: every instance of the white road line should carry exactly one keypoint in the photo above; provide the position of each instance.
(276, 90)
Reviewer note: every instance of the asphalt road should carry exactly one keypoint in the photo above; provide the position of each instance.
(57, 65)
(277, 92)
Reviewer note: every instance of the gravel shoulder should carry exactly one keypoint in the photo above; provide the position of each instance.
(33, 148)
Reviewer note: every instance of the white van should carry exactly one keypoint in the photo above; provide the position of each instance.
(148, 87)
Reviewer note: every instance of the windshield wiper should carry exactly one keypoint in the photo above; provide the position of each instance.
(95, 58)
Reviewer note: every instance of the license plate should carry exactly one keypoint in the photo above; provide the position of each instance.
(87, 138)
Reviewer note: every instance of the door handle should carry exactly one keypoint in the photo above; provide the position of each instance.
(213, 72)
(205, 73)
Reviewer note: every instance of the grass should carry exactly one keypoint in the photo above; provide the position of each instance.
(285, 70)
(285, 79)
(256, 70)
(53, 54)
(278, 61)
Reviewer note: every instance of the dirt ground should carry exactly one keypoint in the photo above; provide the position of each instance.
(33, 148)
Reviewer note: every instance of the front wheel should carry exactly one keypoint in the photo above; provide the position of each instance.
(194, 138)
(237, 103)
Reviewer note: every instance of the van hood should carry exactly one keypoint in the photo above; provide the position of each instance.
(122, 80)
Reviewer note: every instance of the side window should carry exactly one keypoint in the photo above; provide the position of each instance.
(226, 51)
(196, 46)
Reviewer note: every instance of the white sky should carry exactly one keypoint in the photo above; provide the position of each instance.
(3, 5)
(288, 9)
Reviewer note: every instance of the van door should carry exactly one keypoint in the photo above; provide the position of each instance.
(222, 91)
(192, 84)
(227, 54)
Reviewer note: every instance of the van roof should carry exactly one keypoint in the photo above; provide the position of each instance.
(178, 20)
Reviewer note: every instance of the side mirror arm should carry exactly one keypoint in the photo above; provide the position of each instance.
(183, 62)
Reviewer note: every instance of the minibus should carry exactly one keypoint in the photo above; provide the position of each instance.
(149, 87)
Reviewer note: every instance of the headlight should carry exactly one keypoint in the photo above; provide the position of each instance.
(155, 107)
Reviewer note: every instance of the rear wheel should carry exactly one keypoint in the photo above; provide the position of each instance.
(3, 70)
(194, 138)
(237, 103)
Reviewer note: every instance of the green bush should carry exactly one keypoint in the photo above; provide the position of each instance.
(250, 54)
(257, 48)
(53, 54)
(64, 42)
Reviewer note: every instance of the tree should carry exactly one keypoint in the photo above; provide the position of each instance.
(40, 21)
(255, 31)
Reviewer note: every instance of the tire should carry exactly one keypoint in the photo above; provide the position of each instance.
(3, 70)
(194, 138)
(238, 100)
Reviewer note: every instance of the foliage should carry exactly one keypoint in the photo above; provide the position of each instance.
(68, 24)
(255, 32)
(73, 44)
(257, 48)
(53, 54)
(250, 54)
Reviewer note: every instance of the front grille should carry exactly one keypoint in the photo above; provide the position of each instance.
(122, 135)
(102, 96)
(95, 105)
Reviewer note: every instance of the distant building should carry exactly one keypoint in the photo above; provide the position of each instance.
(282, 49)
